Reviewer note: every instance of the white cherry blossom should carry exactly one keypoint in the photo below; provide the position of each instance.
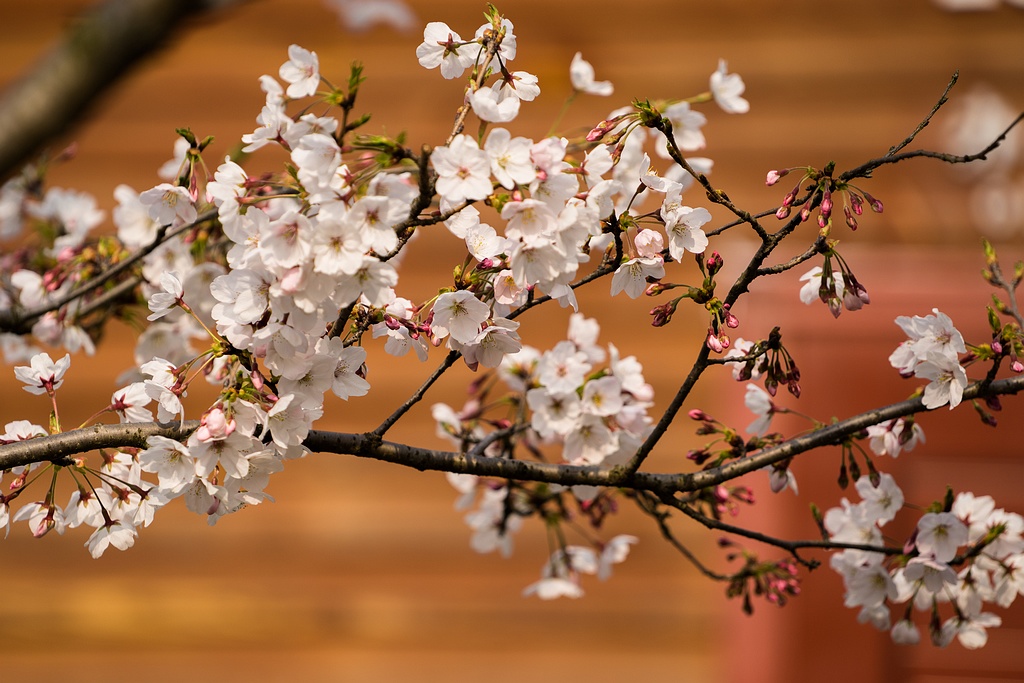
(581, 73)
(301, 71)
(727, 89)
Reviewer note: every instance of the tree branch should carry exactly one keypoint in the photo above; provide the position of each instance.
(21, 323)
(49, 100)
(58, 447)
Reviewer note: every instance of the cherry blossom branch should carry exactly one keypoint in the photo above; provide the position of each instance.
(732, 224)
(649, 505)
(739, 287)
(807, 255)
(669, 416)
(20, 323)
(714, 195)
(59, 447)
(836, 433)
(599, 272)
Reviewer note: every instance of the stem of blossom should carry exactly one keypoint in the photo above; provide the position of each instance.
(716, 196)
(561, 114)
(481, 75)
(188, 309)
(55, 414)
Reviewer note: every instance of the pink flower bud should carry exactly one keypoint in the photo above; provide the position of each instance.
(857, 203)
(1017, 366)
(782, 213)
(713, 342)
(215, 426)
(697, 414)
(775, 176)
(835, 306)
(876, 205)
(791, 197)
(850, 220)
(715, 262)
(698, 457)
(826, 203)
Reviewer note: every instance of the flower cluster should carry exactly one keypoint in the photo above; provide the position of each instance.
(597, 415)
(964, 553)
(932, 351)
(271, 299)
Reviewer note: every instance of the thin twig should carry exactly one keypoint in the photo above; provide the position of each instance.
(790, 546)
(865, 170)
(924, 123)
(417, 395)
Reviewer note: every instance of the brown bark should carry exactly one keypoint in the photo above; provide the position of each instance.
(101, 47)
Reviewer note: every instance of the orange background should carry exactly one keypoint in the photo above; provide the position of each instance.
(362, 571)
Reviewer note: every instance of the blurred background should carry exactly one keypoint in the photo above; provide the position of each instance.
(362, 570)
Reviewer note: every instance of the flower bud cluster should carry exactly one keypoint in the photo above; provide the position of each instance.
(834, 289)
(821, 192)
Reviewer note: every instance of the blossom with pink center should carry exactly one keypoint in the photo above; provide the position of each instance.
(463, 170)
(459, 314)
(42, 375)
(442, 47)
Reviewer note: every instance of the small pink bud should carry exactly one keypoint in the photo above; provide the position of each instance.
(791, 197)
(782, 213)
(713, 342)
(697, 414)
(857, 203)
(826, 203)
(850, 220)
(835, 306)
(1017, 366)
(775, 176)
